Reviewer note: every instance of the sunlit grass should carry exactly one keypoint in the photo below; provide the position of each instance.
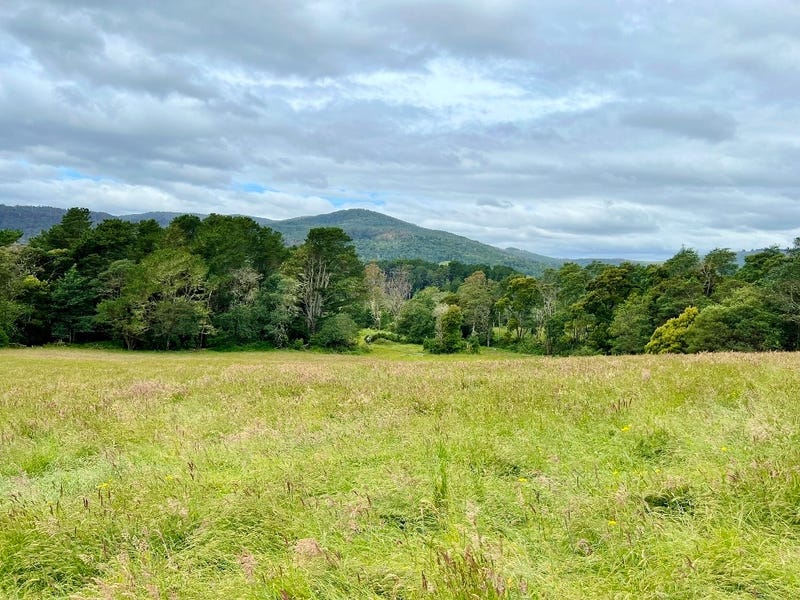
(398, 475)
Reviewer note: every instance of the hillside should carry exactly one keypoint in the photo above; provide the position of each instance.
(379, 237)
(33, 219)
(375, 236)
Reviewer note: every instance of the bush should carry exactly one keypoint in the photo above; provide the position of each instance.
(337, 333)
(384, 335)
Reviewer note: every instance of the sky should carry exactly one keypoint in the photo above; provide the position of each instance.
(597, 128)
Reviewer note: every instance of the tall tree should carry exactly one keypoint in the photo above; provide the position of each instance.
(11, 276)
(783, 285)
(397, 289)
(162, 301)
(73, 305)
(329, 274)
(375, 282)
(522, 295)
(717, 265)
(476, 299)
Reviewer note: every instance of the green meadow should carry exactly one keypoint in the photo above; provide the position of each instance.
(397, 475)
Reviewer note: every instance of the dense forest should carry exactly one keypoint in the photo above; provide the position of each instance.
(227, 282)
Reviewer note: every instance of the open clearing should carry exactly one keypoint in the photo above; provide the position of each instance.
(394, 475)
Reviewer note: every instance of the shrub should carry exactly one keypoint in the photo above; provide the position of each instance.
(337, 333)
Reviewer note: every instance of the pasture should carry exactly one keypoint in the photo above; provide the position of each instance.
(396, 475)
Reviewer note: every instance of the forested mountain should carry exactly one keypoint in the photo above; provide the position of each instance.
(32, 220)
(379, 237)
(375, 236)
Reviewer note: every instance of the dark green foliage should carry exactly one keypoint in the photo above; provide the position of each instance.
(384, 335)
(416, 320)
(741, 322)
(329, 274)
(9, 236)
(337, 332)
(632, 326)
(448, 339)
(654, 446)
(678, 498)
(72, 306)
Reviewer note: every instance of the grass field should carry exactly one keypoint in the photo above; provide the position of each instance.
(397, 475)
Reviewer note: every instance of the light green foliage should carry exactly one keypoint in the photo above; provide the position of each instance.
(476, 297)
(397, 475)
(672, 335)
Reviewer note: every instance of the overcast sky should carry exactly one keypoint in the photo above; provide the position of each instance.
(591, 128)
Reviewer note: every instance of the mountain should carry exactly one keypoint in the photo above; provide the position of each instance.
(375, 236)
(31, 220)
(380, 237)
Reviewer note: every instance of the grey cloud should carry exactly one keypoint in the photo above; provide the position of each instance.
(569, 127)
(493, 202)
(697, 123)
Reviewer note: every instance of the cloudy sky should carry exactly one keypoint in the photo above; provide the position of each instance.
(568, 128)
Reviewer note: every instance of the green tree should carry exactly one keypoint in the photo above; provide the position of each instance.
(783, 287)
(12, 273)
(685, 263)
(448, 339)
(758, 267)
(521, 295)
(604, 293)
(742, 323)
(53, 250)
(111, 240)
(73, 305)
(75, 225)
(632, 326)
(416, 320)
(476, 299)
(329, 274)
(163, 301)
(338, 332)
(671, 337)
(9, 236)
(717, 265)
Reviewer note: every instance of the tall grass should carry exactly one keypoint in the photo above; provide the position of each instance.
(394, 475)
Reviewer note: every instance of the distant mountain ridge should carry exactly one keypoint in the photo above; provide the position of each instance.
(376, 236)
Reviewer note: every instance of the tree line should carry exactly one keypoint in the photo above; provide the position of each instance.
(226, 281)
